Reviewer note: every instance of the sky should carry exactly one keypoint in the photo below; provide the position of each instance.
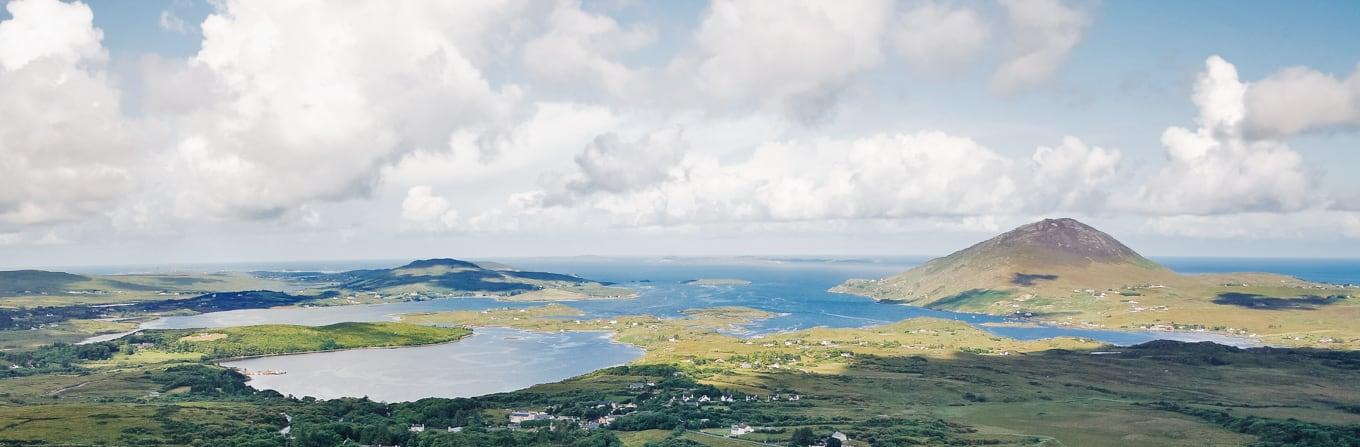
(179, 131)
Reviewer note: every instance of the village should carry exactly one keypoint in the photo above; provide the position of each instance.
(649, 394)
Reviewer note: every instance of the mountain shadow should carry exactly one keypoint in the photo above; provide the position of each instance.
(1028, 279)
(1255, 301)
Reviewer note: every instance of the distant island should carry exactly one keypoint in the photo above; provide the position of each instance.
(67, 307)
(1064, 272)
(446, 277)
(718, 282)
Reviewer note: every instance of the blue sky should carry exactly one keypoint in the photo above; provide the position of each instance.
(658, 128)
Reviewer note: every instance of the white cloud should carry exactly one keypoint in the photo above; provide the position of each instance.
(1214, 169)
(1299, 99)
(1042, 34)
(1073, 175)
(612, 165)
(791, 56)
(580, 47)
(62, 33)
(934, 36)
(66, 151)
(171, 22)
(307, 101)
(920, 175)
(422, 206)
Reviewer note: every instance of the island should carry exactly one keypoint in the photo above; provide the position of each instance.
(718, 282)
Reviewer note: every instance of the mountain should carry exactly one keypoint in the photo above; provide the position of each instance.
(443, 276)
(1051, 257)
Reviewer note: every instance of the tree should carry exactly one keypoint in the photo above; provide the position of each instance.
(833, 442)
(803, 437)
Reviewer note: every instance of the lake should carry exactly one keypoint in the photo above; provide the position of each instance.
(492, 360)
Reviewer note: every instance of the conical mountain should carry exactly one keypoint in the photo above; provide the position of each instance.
(1052, 257)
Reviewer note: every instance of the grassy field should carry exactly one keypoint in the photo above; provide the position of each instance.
(1277, 310)
(69, 331)
(1047, 392)
(283, 339)
(22, 289)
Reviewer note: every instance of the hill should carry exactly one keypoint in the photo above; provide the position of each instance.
(18, 282)
(446, 276)
(1062, 271)
(1044, 257)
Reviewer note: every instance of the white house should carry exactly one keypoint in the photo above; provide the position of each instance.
(841, 436)
(417, 428)
(741, 429)
(522, 416)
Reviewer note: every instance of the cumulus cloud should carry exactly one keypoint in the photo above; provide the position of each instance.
(1214, 169)
(580, 47)
(613, 165)
(421, 205)
(933, 36)
(1300, 99)
(61, 33)
(1042, 34)
(66, 151)
(885, 176)
(307, 101)
(1073, 175)
(793, 56)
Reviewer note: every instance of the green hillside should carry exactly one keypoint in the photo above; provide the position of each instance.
(1064, 272)
(447, 277)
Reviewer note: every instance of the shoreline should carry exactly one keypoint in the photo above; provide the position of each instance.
(218, 361)
(609, 336)
(1221, 338)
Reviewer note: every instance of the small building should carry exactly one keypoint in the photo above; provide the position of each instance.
(522, 416)
(636, 386)
(417, 428)
(741, 429)
(841, 436)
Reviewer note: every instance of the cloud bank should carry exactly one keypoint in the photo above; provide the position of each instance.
(510, 116)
